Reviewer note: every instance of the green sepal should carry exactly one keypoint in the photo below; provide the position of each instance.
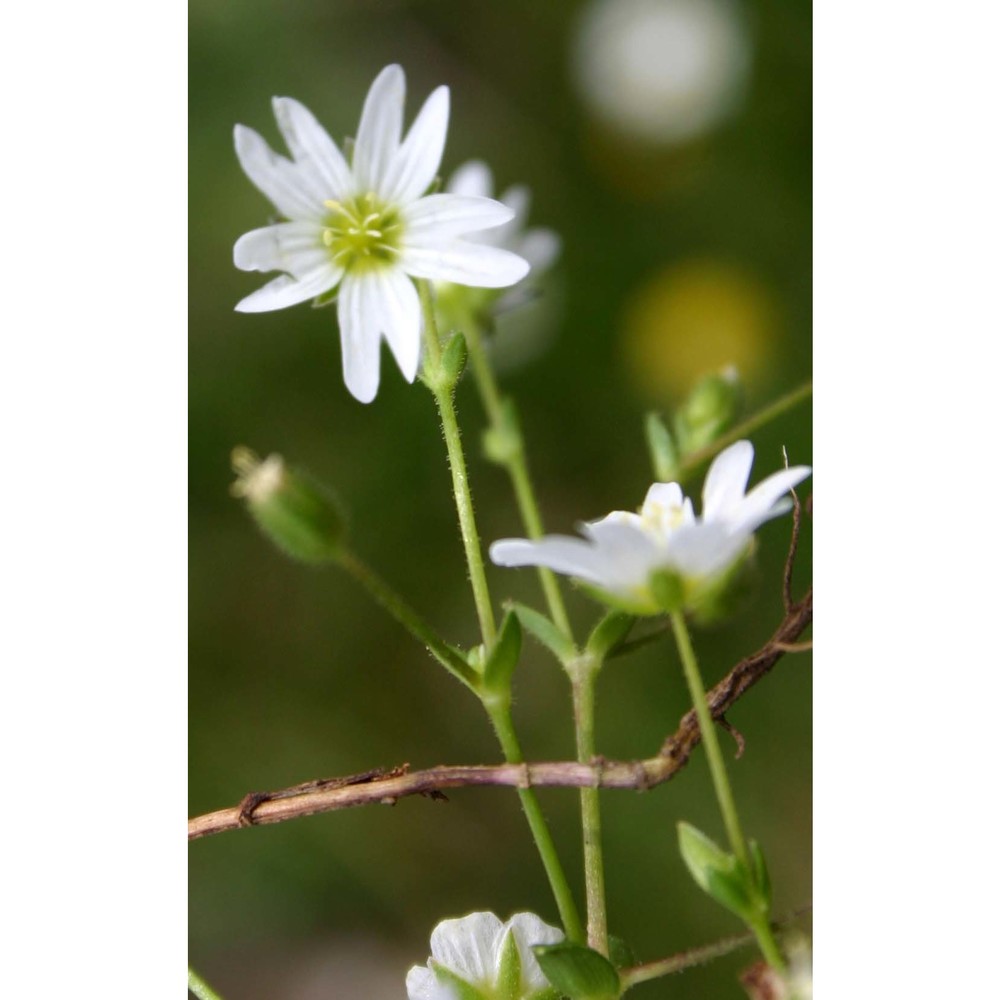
(761, 876)
(726, 594)
(509, 973)
(620, 954)
(326, 298)
(459, 987)
(668, 590)
(502, 441)
(717, 872)
(640, 604)
(577, 971)
(609, 632)
(545, 631)
(499, 666)
(663, 452)
(453, 359)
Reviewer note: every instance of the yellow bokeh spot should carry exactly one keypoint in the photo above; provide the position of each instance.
(694, 318)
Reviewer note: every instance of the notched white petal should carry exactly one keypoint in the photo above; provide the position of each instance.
(381, 125)
(473, 179)
(416, 163)
(726, 481)
(276, 177)
(467, 946)
(308, 141)
(439, 218)
(287, 291)
(358, 316)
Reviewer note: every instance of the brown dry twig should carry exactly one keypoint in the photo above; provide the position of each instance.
(388, 786)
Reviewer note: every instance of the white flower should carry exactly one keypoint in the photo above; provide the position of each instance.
(539, 246)
(366, 228)
(493, 958)
(622, 551)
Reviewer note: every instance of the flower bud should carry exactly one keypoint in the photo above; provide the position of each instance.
(297, 514)
(712, 408)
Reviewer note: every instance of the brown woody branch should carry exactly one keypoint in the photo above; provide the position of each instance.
(388, 786)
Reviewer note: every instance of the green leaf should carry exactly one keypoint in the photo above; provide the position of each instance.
(499, 666)
(609, 632)
(761, 876)
(716, 871)
(545, 632)
(459, 987)
(453, 358)
(662, 450)
(509, 975)
(579, 972)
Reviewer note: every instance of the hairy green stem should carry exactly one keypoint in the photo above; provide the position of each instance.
(444, 397)
(514, 459)
(720, 779)
(199, 987)
(690, 464)
(503, 724)
(684, 960)
(583, 674)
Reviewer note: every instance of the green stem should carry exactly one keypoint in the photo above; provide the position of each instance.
(443, 395)
(385, 596)
(199, 987)
(683, 960)
(690, 464)
(720, 779)
(583, 673)
(503, 421)
(503, 724)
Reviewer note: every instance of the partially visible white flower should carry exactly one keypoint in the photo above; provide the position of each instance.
(366, 228)
(621, 552)
(484, 953)
(539, 246)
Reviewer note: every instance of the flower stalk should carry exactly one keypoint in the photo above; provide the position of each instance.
(720, 779)
(200, 988)
(504, 434)
(443, 390)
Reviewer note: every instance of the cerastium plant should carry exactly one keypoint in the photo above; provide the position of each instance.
(427, 271)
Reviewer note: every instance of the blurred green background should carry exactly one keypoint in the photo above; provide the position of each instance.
(673, 157)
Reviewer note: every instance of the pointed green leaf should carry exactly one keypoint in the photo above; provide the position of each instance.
(509, 974)
(499, 666)
(761, 877)
(545, 632)
(459, 987)
(662, 450)
(701, 854)
(609, 632)
(733, 891)
(453, 358)
(579, 972)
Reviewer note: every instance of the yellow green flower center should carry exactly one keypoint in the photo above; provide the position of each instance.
(362, 232)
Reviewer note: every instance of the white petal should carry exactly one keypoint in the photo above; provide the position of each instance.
(703, 550)
(439, 218)
(379, 131)
(287, 186)
(416, 164)
(472, 179)
(665, 495)
(763, 501)
(308, 141)
(726, 481)
(540, 248)
(422, 984)
(467, 946)
(287, 291)
(628, 552)
(401, 318)
(295, 247)
(518, 199)
(529, 930)
(465, 264)
(359, 316)
(561, 553)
